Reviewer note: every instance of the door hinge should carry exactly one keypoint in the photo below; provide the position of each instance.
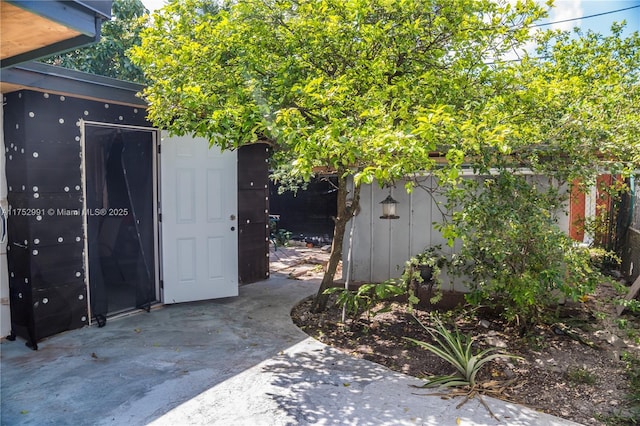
(159, 149)
(161, 284)
(159, 217)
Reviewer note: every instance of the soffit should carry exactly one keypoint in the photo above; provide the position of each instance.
(23, 31)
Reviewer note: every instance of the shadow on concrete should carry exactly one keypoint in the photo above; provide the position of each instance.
(141, 366)
(238, 361)
(315, 384)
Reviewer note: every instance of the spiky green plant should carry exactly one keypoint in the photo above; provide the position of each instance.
(456, 349)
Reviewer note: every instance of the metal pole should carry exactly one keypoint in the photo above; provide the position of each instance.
(348, 278)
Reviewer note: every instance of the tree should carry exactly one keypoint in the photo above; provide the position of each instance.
(571, 114)
(362, 88)
(582, 91)
(108, 56)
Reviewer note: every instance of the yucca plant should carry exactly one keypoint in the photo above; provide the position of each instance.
(456, 349)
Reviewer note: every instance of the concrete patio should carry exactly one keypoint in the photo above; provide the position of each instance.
(237, 361)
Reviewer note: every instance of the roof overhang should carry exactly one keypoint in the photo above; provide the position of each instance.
(33, 29)
(62, 81)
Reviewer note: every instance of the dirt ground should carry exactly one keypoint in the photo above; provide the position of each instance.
(573, 372)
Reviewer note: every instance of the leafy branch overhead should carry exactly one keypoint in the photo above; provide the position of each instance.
(358, 88)
(343, 84)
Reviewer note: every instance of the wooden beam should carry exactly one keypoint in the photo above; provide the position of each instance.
(633, 291)
(23, 31)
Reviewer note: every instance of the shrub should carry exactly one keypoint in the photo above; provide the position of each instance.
(515, 256)
(366, 297)
(424, 268)
(282, 237)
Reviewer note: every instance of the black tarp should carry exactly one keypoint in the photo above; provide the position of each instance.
(308, 213)
(45, 241)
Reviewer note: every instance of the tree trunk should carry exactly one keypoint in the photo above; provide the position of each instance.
(345, 212)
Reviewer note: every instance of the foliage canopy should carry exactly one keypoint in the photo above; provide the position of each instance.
(571, 116)
(346, 85)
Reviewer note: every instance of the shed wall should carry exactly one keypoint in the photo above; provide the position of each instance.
(253, 213)
(45, 247)
(382, 246)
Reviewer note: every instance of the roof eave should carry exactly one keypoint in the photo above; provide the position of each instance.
(85, 17)
(48, 78)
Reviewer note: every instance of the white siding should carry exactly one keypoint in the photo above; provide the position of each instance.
(382, 246)
(5, 313)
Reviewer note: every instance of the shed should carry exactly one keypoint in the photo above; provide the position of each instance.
(31, 30)
(104, 213)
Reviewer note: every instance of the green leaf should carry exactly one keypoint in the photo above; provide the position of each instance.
(456, 349)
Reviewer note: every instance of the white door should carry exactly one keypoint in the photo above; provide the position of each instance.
(198, 220)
